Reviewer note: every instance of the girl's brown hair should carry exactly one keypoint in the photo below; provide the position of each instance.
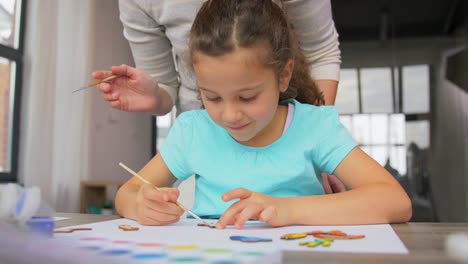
(222, 26)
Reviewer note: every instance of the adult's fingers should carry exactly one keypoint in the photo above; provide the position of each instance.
(99, 75)
(117, 104)
(124, 70)
(326, 184)
(335, 184)
(109, 96)
(105, 87)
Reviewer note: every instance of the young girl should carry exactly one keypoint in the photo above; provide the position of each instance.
(258, 147)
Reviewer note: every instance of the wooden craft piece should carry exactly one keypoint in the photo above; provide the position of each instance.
(128, 228)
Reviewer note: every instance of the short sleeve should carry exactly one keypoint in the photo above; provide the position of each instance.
(336, 141)
(176, 149)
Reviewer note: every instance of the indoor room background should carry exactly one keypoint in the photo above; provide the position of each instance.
(403, 94)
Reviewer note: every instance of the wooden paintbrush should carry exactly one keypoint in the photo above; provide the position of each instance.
(107, 79)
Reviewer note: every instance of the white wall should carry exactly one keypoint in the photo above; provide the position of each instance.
(449, 159)
(115, 136)
(68, 137)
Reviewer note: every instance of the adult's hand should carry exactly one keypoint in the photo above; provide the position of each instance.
(331, 184)
(133, 91)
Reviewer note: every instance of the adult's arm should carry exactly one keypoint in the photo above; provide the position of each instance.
(316, 32)
(151, 49)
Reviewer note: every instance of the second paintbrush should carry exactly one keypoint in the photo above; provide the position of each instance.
(89, 85)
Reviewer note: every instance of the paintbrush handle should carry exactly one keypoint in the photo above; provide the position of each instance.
(110, 78)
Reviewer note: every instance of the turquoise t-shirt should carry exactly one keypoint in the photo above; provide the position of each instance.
(315, 142)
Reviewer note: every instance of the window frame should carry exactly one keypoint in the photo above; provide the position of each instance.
(17, 56)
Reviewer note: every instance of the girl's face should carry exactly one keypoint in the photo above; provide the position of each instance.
(241, 94)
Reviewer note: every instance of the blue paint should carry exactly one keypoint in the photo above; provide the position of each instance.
(250, 239)
(115, 252)
(149, 256)
(91, 247)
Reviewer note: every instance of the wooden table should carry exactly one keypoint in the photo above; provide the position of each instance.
(425, 242)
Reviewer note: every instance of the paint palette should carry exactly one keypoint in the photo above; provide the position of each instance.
(116, 251)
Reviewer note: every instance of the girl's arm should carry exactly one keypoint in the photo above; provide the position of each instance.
(375, 197)
(142, 202)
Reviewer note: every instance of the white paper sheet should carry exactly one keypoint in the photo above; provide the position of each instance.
(378, 238)
(56, 218)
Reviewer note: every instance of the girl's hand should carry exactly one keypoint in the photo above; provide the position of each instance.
(132, 91)
(252, 205)
(157, 207)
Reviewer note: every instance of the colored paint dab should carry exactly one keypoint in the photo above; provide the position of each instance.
(317, 242)
(335, 235)
(250, 239)
(293, 236)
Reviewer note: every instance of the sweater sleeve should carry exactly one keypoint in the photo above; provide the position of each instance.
(314, 26)
(151, 49)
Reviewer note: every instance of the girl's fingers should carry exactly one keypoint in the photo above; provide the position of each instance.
(161, 214)
(151, 193)
(230, 215)
(251, 211)
(164, 207)
(150, 217)
(267, 215)
(146, 220)
(239, 193)
(172, 194)
(162, 200)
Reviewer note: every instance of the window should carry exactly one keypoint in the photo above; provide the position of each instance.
(387, 111)
(163, 125)
(376, 90)
(415, 81)
(11, 53)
